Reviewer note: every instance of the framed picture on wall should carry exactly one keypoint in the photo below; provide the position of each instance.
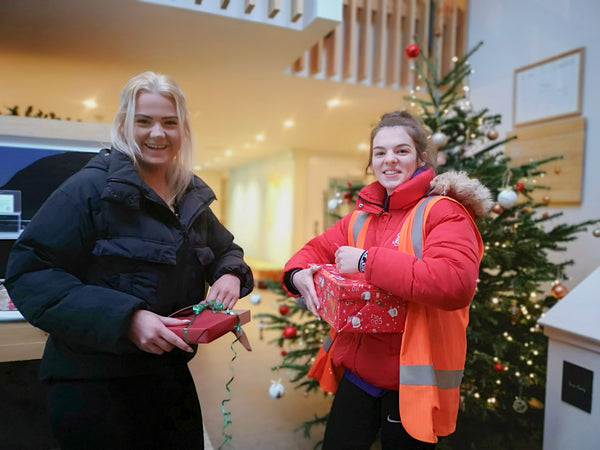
(548, 90)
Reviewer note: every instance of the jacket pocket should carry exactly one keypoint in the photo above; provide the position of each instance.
(205, 255)
(136, 249)
(142, 268)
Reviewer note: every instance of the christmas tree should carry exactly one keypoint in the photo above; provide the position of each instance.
(502, 394)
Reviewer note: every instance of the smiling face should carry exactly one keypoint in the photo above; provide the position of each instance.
(394, 157)
(156, 131)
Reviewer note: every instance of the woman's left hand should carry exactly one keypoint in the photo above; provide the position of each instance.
(225, 290)
(346, 259)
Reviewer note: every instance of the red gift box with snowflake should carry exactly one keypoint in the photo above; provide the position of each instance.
(348, 303)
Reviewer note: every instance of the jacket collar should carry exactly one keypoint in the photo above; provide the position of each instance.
(473, 195)
(372, 198)
(123, 184)
(126, 187)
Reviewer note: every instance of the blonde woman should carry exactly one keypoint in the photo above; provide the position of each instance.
(118, 247)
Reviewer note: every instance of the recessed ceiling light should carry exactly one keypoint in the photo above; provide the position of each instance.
(90, 103)
(198, 167)
(363, 146)
(288, 123)
(333, 102)
(260, 137)
(228, 153)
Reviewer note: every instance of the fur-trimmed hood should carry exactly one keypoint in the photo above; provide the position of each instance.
(468, 191)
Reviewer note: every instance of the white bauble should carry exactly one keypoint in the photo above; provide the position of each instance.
(255, 299)
(276, 389)
(333, 203)
(439, 139)
(507, 198)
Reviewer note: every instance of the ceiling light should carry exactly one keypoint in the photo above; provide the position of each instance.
(363, 146)
(228, 153)
(333, 102)
(198, 167)
(260, 137)
(288, 123)
(90, 103)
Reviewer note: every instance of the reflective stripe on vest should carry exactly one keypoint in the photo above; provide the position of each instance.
(327, 343)
(357, 228)
(425, 375)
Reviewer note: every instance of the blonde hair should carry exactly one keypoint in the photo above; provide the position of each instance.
(122, 136)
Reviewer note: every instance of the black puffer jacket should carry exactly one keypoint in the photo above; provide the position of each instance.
(104, 245)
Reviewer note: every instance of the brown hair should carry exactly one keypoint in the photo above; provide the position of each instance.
(426, 152)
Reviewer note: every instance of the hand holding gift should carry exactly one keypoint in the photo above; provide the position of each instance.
(348, 303)
(209, 321)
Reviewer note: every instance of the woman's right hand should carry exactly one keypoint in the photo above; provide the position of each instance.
(304, 283)
(149, 332)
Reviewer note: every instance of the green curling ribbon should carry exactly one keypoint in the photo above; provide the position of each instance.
(216, 306)
(226, 414)
(213, 305)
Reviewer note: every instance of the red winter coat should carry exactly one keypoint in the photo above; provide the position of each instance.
(445, 277)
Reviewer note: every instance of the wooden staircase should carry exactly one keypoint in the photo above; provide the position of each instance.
(368, 45)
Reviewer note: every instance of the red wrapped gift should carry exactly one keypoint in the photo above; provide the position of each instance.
(209, 324)
(348, 303)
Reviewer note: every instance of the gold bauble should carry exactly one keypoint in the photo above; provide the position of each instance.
(559, 291)
(492, 135)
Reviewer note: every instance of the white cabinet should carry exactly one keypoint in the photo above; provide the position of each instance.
(572, 406)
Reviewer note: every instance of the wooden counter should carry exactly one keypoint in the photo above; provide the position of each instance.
(20, 341)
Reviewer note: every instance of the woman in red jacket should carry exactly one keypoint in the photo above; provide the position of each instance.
(441, 283)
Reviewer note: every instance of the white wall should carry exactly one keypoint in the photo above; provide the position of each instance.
(517, 33)
(259, 207)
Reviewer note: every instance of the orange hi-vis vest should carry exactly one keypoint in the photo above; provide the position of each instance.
(433, 349)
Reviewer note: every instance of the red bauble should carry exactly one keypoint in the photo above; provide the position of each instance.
(498, 367)
(348, 197)
(559, 291)
(519, 186)
(284, 310)
(412, 51)
(290, 332)
(497, 208)
(283, 352)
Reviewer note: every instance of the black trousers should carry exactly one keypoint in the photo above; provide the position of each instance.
(356, 418)
(149, 412)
